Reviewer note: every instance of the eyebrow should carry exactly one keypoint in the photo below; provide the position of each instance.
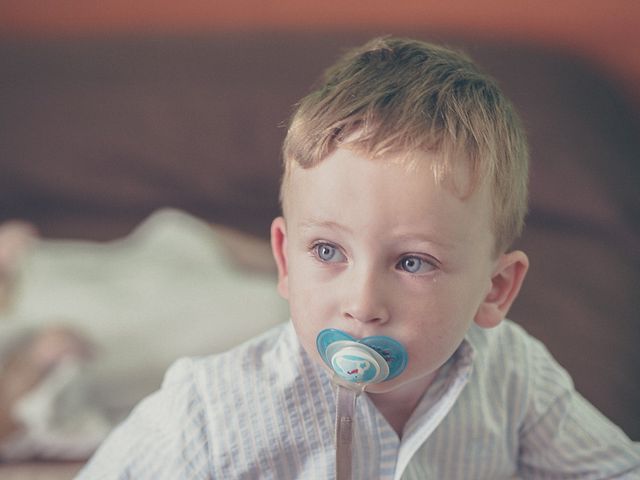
(425, 238)
(311, 224)
(324, 224)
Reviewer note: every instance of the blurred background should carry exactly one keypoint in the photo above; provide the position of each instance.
(605, 33)
(113, 109)
(70, 69)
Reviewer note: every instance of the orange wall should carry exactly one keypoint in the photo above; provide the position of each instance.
(605, 31)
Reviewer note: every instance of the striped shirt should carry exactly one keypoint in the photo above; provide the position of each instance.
(500, 407)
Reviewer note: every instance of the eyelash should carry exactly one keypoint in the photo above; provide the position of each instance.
(314, 249)
(425, 262)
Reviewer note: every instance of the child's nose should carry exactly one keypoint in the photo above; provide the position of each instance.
(364, 298)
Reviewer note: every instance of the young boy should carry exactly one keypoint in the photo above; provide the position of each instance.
(405, 184)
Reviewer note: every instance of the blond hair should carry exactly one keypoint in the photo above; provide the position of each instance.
(402, 95)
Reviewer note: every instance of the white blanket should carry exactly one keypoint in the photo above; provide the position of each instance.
(165, 291)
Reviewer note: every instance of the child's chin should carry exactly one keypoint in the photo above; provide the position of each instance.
(383, 387)
(404, 384)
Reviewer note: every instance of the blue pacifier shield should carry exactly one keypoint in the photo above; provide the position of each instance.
(369, 360)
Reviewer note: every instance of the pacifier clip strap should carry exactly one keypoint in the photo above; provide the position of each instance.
(345, 412)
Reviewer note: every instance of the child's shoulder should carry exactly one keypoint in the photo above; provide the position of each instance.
(506, 338)
(508, 361)
(246, 396)
(264, 359)
(512, 351)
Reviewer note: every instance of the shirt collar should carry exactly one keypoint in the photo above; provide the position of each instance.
(436, 403)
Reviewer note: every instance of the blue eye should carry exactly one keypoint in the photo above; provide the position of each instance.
(413, 264)
(328, 253)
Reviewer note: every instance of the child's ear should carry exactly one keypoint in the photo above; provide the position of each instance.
(506, 281)
(279, 249)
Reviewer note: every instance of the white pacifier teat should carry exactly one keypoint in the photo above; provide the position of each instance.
(366, 361)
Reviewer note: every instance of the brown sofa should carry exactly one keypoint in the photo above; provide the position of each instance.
(97, 133)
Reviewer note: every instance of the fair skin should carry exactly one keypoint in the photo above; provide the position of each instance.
(373, 247)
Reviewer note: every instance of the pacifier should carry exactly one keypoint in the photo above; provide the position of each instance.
(365, 361)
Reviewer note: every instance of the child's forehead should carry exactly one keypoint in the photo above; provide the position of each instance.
(346, 176)
(453, 172)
